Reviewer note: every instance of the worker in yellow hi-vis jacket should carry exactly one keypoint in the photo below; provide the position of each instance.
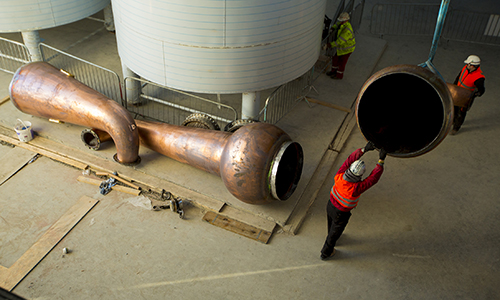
(345, 44)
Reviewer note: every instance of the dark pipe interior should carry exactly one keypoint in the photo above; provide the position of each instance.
(400, 113)
(289, 171)
(90, 140)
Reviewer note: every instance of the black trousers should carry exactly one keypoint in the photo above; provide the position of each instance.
(460, 113)
(337, 221)
(459, 117)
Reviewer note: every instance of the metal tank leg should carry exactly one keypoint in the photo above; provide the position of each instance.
(250, 105)
(31, 40)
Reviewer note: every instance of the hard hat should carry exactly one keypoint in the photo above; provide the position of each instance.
(357, 168)
(473, 60)
(344, 17)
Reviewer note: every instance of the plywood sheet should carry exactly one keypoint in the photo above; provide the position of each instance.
(10, 277)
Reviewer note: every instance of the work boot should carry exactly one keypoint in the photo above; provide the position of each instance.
(325, 257)
(336, 77)
(331, 73)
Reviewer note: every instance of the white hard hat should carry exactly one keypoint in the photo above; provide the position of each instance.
(357, 168)
(344, 17)
(473, 60)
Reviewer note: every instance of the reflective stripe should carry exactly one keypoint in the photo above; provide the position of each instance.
(462, 84)
(345, 202)
(469, 77)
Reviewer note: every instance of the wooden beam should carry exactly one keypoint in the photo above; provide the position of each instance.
(331, 105)
(4, 100)
(10, 277)
(238, 227)
(32, 147)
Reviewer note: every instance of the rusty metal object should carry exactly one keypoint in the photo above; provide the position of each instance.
(405, 109)
(41, 90)
(461, 96)
(258, 163)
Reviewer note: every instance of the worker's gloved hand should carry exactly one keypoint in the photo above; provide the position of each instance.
(369, 147)
(382, 154)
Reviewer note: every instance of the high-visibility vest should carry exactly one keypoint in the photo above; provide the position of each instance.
(345, 41)
(467, 79)
(343, 190)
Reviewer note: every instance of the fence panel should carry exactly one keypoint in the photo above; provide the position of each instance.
(13, 55)
(474, 27)
(172, 106)
(100, 79)
(404, 19)
(285, 98)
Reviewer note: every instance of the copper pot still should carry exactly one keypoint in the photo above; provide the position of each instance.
(405, 109)
(41, 90)
(258, 163)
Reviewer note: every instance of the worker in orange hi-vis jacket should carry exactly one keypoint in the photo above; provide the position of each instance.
(470, 77)
(344, 196)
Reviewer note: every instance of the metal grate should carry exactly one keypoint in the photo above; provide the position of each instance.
(13, 55)
(172, 106)
(285, 98)
(100, 79)
(404, 19)
(474, 27)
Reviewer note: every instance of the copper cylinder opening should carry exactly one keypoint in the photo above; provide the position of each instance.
(405, 110)
(92, 138)
(286, 170)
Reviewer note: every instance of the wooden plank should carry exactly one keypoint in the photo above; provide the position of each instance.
(15, 159)
(119, 188)
(32, 147)
(6, 99)
(331, 105)
(248, 218)
(10, 278)
(237, 227)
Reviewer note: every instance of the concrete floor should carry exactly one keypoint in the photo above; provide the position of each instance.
(427, 230)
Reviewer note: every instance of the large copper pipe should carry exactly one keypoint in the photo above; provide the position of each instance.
(258, 163)
(460, 96)
(405, 109)
(41, 90)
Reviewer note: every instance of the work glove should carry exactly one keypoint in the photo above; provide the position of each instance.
(369, 147)
(382, 154)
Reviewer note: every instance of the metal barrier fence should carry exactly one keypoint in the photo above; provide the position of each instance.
(404, 19)
(285, 97)
(474, 27)
(420, 19)
(172, 106)
(13, 55)
(100, 79)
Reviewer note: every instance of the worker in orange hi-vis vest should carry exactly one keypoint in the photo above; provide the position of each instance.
(344, 196)
(470, 77)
